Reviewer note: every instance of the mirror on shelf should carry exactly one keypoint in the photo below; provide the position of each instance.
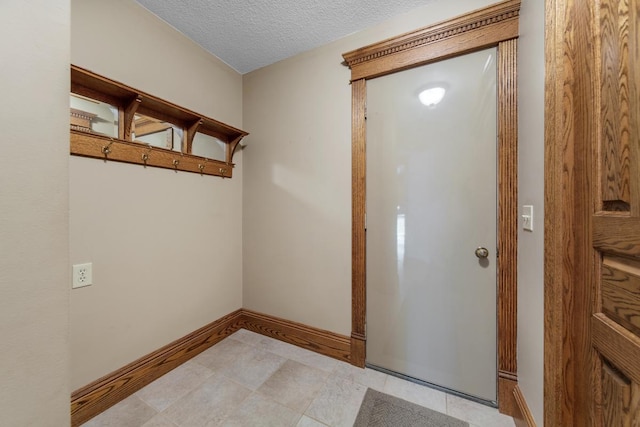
(208, 146)
(112, 121)
(156, 133)
(92, 116)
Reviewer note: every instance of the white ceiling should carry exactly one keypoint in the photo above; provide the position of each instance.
(250, 34)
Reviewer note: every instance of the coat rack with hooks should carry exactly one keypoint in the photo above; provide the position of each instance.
(131, 104)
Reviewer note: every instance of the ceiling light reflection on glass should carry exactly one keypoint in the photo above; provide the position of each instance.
(432, 96)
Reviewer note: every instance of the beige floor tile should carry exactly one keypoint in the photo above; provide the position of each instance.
(210, 403)
(479, 415)
(309, 422)
(222, 354)
(161, 393)
(299, 354)
(247, 337)
(219, 387)
(258, 410)
(337, 403)
(253, 367)
(416, 393)
(159, 421)
(294, 385)
(130, 412)
(367, 377)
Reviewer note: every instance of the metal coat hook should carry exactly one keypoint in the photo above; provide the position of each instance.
(201, 166)
(145, 156)
(222, 171)
(176, 162)
(106, 149)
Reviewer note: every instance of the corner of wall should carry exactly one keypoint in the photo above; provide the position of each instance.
(166, 246)
(531, 192)
(34, 254)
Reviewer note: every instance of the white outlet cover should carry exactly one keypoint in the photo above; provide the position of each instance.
(82, 275)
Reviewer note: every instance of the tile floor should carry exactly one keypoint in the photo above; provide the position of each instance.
(251, 380)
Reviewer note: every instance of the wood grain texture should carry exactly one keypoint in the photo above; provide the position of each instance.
(314, 339)
(614, 71)
(126, 117)
(506, 398)
(358, 350)
(507, 207)
(617, 393)
(89, 401)
(617, 234)
(358, 212)
(189, 134)
(525, 412)
(130, 102)
(89, 145)
(621, 292)
(519, 422)
(633, 81)
(554, 323)
(231, 148)
(614, 323)
(472, 31)
(619, 346)
(570, 265)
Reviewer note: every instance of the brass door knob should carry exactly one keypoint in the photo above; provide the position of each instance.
(482, 252)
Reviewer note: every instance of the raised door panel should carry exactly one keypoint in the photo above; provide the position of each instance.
(616, 104)
(615, 324)
(621, 399)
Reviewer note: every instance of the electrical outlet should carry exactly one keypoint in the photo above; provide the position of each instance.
(82, 275)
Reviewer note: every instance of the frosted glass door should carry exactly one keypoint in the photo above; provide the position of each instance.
(431, 203)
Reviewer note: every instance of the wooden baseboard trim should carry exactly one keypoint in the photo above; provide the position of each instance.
(358, 343)
(314, 339)
(506, 401)
(94, 398)
(524, 408)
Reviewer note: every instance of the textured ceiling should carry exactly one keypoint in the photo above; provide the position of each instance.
(250, 34)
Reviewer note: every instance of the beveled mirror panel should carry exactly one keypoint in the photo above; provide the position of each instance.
(156, 133)
(208, 146)
(92, 116)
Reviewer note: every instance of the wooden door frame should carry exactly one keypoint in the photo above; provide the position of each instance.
(494, 26)
(561, 251)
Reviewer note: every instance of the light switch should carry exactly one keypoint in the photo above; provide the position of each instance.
(527, 217)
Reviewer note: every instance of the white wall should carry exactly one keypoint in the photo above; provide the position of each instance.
(34, 234)
(165, 245)
(297, 177)
(531, 192)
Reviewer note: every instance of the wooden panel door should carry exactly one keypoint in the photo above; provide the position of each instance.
(615, 323)
(592, 213)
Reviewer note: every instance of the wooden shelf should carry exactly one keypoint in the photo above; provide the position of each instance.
(102, 147)
(130, 102)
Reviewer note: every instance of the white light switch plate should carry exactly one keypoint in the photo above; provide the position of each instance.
(527, 217)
